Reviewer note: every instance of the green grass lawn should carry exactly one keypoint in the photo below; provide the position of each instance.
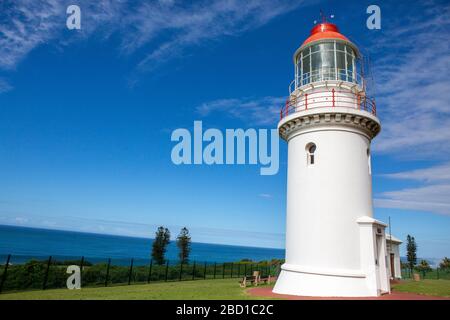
(428, 287)
(227, 289)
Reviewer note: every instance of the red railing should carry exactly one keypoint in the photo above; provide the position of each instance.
(328, 99)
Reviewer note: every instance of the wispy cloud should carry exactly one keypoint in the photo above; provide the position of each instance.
(434, 196)
(193, 24)
(437, 173)
(24, 25)
(5, 86)
(155, 31)
(145, 230)
(260, 111)
(412, 73)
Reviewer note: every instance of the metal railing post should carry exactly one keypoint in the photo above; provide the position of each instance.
(167, 269)
(306, 101)
(149, 278)
(44, 284)
(130, 272)
(4, 273)
(215, 267)
(107, 272)
(245, 269)
(81, 267)
(332, 91)
(223, 270)
(231, 273)
(204, 272)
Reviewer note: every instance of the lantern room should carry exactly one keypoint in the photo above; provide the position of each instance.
(326, 55)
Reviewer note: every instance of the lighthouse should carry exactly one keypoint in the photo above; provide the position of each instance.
(334, 246)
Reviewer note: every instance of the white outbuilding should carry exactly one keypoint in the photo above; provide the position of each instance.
(393, 250)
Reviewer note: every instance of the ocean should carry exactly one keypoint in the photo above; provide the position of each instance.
(31, 243)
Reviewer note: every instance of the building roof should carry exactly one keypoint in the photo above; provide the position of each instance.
(394, 239)
(324, 30)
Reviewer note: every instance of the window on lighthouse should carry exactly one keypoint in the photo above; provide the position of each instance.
(310, 150)
(332, 60)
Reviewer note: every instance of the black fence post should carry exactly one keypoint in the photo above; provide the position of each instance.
(107, 272)
(193, 272)
(245, 270)
(150, 271)
(46, 273)
(215, 268)
(204, 272)
(181, 271)
(4, 273)
(130, 272)
(231, 274)
(223, 271)
(167, 269)
(81, 264)
(239, 270)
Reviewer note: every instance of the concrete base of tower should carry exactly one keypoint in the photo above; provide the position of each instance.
(328, 284)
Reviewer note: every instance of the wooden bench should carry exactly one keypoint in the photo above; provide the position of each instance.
(255, 279)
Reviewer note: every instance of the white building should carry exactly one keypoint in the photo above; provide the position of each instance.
(393, 250)
(334, 246)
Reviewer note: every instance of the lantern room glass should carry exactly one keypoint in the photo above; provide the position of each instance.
(331, 60)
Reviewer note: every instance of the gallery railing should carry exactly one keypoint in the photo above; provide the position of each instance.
(328, 99)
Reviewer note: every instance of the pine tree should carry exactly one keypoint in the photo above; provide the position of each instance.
(411, 251)
(184, 244)
(445, 264)
(159, 248)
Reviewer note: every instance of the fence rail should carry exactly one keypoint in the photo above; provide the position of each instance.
(51, 273)
(438, 273)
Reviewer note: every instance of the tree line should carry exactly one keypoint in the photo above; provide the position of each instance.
(423, 265)
(162, 240)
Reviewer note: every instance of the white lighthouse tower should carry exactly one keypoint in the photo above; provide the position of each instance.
(334, 247)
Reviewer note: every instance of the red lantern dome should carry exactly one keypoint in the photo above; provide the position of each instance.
(324, 30)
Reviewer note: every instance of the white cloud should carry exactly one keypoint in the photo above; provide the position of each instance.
(26, 25)
(436, 173)
(159, 30)
(5, 86)
(432, 197)
(261, 111)
(435, 198)
(412, 77)
(145, 230)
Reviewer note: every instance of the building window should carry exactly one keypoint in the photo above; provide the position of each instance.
(310, 153)
(330, 60)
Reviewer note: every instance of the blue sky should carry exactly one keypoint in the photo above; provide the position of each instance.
(86, 115)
